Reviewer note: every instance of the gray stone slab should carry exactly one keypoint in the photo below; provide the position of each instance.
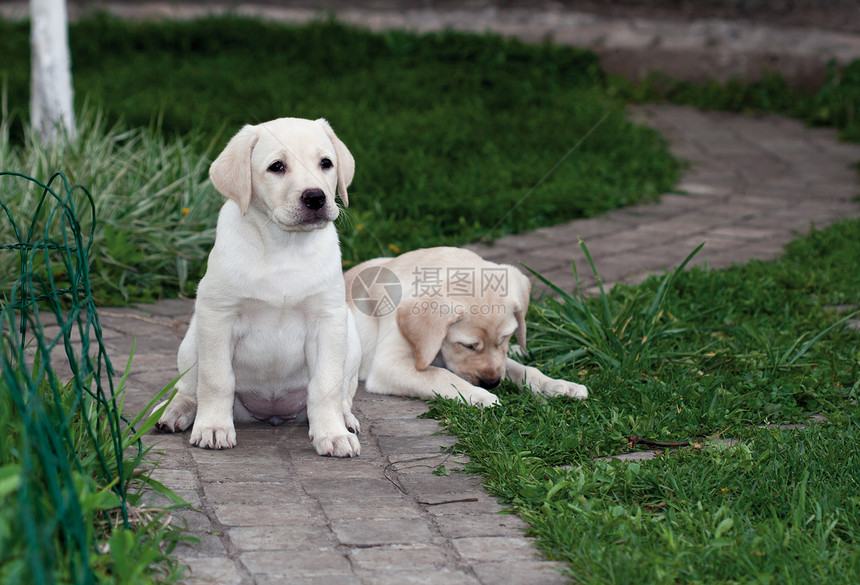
(542, 263)
(421, 577)
(169, 308)
(427, 483)
(336, 487)
(404, 427)
(341, 579)
(377, 532)
(324, 562)
(476, 525)
(228, 471)
(176, 479)
(495, 548)
(413, 557)
(371, 508)
(410, 463)
(431, 444)
(602, 247)
(256, 493)
(522, 573)
(304, 511)
(355, 468)
(281, 538)
(208, 570)
(377, 407)
(209, 545)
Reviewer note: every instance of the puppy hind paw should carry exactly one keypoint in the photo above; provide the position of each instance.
(178, 415)
(578, 391)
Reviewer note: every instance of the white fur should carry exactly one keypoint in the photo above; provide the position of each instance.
(271, 328)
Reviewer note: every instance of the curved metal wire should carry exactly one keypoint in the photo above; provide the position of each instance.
(48, 316)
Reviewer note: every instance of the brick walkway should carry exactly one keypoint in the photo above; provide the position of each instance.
(272, 511)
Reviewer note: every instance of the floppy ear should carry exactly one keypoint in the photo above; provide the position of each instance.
(424, 330)
(520, 290)
(231, 171)
(345, 162)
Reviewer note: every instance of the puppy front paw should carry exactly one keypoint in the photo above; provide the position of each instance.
(483, 398)
(178, 415)
(213, 436)
(564, 388)
(474, 396)
(337, 445)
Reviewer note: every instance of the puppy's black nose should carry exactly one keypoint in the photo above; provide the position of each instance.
(489, 383)
(313, 198)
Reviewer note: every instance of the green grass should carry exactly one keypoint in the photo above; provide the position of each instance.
(730, 352)
(449, 131)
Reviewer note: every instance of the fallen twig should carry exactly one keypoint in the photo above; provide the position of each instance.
(448, 502)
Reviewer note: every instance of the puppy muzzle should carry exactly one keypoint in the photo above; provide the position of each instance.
(489, 383)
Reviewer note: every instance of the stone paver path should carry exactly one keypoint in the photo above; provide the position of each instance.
(272, 511)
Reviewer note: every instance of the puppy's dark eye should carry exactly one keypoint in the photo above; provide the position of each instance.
(326, 164)
(470, 346)
(277, 167)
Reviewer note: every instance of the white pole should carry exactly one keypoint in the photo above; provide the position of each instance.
(51, 99)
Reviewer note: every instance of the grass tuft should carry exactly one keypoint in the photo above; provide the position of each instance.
(622, 336)
(154, 204)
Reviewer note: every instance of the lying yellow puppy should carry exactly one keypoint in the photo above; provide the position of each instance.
(438, 321)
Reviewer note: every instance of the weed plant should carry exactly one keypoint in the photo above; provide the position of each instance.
(730, 354)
